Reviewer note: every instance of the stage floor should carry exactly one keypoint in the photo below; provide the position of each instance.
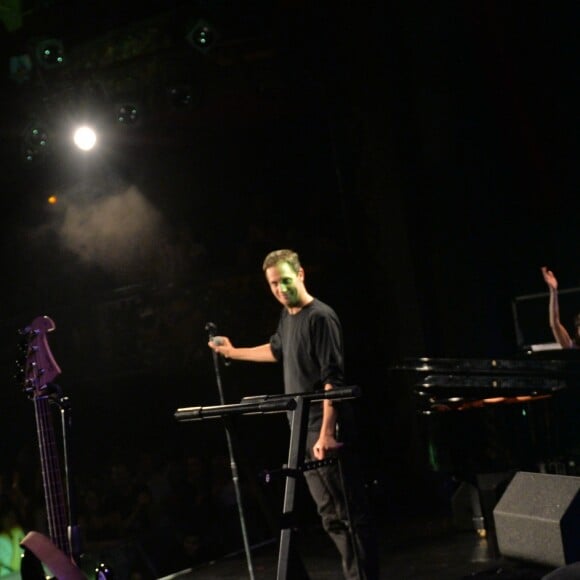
(422, 549)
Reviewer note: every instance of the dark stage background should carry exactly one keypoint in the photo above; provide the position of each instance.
(421, 157)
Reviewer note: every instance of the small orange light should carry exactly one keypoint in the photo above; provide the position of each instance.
(52, 199)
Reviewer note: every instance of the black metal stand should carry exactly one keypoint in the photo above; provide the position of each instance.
(290, 566)
(73, 529)
(212, 329)
(102, 572)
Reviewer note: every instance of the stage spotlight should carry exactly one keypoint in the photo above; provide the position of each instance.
(202, 36)
(128, 114)
(35, 142)
(180, 96)
(20, 68)
(50, 53)
(85, 138)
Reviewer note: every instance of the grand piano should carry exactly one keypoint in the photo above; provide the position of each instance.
(481, 419)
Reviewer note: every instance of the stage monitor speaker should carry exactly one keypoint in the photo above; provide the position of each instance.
(538, 519)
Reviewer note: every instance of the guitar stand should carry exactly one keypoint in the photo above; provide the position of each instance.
(33, 565)
(299, 404)
(55, 396)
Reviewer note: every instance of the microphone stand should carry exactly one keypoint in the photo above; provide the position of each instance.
(212, 329)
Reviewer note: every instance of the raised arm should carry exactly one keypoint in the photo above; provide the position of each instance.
(558, 330)
(223, 346)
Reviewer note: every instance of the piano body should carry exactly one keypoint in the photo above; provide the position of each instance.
(480, 420)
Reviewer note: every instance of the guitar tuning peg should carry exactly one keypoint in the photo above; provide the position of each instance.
(28, 389)
(24, 331)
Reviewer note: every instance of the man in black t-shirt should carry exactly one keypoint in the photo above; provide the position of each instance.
(308, 342)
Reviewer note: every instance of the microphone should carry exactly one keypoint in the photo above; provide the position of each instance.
(217, 340)
(211, 328)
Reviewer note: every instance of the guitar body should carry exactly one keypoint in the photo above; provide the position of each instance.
(60, 565)
(32, 568)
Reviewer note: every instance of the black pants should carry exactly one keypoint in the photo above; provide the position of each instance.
(325, 485)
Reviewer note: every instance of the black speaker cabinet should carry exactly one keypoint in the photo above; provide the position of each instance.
(538, 518)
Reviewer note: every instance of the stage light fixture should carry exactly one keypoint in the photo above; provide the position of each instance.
(202, 36)
(85, 138)
(20, 68)
(180, 96)
(35, 142)
(128, 114)
(50, 53)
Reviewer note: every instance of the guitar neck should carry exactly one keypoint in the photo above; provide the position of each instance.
(52, 477)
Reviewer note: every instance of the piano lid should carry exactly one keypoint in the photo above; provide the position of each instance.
(528, 365)
(487, 386)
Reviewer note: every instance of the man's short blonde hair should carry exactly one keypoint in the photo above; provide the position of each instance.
(277, 256)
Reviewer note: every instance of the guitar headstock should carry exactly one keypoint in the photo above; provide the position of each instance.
(40, 368)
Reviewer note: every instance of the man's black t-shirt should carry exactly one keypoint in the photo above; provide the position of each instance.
(309, 344)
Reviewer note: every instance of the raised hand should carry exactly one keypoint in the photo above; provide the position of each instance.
(549, 278)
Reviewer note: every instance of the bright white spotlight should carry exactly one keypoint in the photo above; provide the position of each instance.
(85, 138)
